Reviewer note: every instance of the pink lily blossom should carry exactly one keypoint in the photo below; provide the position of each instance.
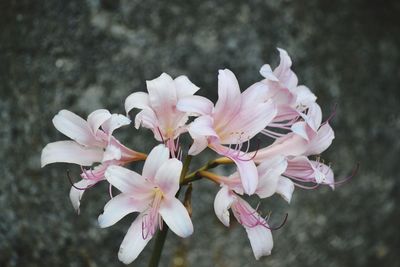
(92, 143)
(234, 120)
(152, 194)
(158, 107)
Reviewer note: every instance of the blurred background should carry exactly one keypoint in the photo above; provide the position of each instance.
(84, 55)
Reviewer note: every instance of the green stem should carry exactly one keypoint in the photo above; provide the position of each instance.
(158, 247)
(193, 176)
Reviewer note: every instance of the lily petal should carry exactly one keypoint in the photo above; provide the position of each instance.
(133, 242)
(176, 216)
(97, 118)
(70, 152)
(74, 127)
(269, 173)
(127, 181)
(321, 141)
(116, 121)
(167, 177)
(155, 159)
(222, 203)
(195, 104)
(75, 195)
(285, 188)
(229, 97)
(261, 240)
(138, 100)
(184, 87)
(118, 207)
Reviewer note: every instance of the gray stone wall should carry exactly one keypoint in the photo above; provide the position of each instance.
(83, 55)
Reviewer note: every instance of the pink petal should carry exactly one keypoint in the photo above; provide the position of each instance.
(229, 97)
(138, 100)
(202, 126)
(184, 87)
(133, 242)
(288, 145)
(304, 96)
(128, 181)
(266, 72)
(283, 72)
(176, 217)
(269, 173)
(321, 141)
(285, 188)
(222, 203)
(120, 206)
(70, 152)
(147, 118)
(196, 105)
(75, 195)
(199, 144)
(261, 240)
(162, 97)
(248, 122)
(246, 168)
(97, 118)
(116, 121)
(167, 177)
(155, 159)
(74, 127)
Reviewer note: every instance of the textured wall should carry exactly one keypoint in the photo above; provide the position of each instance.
(83, 55)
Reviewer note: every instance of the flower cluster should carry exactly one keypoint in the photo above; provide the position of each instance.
(276, 107)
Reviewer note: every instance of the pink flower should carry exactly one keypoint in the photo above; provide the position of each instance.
(152, 194)
(159, 112)
(235, 119)
(257, 228)
(90, 145)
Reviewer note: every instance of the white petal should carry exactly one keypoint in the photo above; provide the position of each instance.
(288, 145)
(97, 118)
(70, 152)
(118, 207)
(176, 216)
(321, 141)
(138, 100)
(229, 97)
(116, 121)
(261, 240)
(285, 188)
(196, 105)
(269, 173)
(266, 72)
(222, 203)
(283, 72)
(184, 87)
(304, 96)
(167, 177)
(300, 128)
(127, 181)
(147, 118)
(162, 96)
(202, 126)
(75, 194)
(74, 127)
(133, 242)
(155, 159)
(199, 144)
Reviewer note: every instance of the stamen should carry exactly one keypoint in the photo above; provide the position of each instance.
(333, 114)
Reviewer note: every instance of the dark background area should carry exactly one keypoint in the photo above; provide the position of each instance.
(83, 55)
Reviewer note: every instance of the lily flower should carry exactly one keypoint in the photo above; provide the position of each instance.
(92, 143)
(158, 107)
(152, 194)
(234, 120)
(257, 228)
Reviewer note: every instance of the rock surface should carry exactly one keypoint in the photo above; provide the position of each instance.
(83, 55)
